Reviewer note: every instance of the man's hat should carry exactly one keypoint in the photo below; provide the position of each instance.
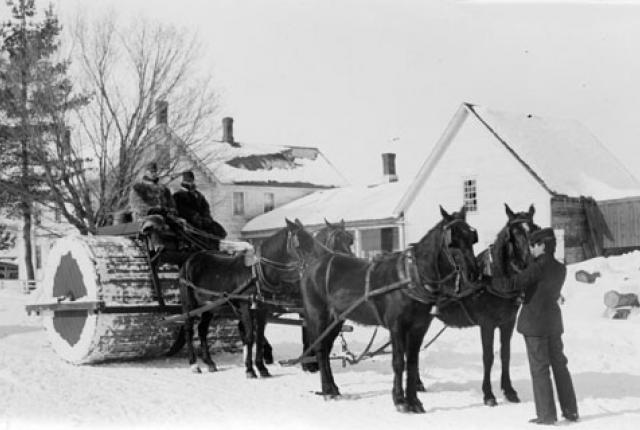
(188, 176)
(542, 235)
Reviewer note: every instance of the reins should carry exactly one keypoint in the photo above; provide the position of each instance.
(406, 279)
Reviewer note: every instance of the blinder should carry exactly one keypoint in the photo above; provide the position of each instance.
(474, 237)
(448, 238)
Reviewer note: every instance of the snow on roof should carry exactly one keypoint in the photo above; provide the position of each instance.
(251, 163)
(562, 153)
(258, 163)
(353, 204)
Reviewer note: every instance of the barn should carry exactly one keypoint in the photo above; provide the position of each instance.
(483, 159)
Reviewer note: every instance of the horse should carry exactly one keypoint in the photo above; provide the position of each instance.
(393, 291)
(339, 240)
(490, 308)
(206, 275)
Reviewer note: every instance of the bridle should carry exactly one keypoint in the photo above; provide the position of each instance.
(457, 271)
(488, 262)
(525, 223)
(332, 236)
(297, 265)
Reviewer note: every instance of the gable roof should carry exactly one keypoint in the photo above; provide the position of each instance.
(355, 204)
(561, 154)
(257, 164)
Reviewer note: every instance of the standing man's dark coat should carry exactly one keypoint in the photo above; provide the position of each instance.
(540, 314)
(540, 321)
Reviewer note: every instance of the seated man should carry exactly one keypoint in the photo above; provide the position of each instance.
(193, 207)
(152, 203)
(148, 197)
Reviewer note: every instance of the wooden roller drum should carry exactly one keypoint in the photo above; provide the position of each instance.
(98, 302)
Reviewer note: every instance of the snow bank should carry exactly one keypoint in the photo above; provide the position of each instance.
(39, 390)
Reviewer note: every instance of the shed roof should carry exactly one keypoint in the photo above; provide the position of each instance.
(561, 154)
(354, 204)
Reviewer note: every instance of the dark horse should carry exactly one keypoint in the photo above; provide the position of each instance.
(391, 291)
(255, 291)
(490, 308)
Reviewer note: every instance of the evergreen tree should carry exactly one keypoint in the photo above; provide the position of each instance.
(35, 95)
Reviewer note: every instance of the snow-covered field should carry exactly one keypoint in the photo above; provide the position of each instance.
(39, 390)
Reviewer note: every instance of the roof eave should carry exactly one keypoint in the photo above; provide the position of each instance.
(432, 160)
(512, 151)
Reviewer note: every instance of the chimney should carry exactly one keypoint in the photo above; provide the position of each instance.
(227, 131)
(162, 112)
(389, 167)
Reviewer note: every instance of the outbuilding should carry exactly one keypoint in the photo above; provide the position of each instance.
(484, 159)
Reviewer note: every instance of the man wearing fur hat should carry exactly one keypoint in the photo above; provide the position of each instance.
(540, 322)
(193, 207)
(148, 197)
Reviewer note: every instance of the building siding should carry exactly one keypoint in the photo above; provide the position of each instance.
(475, 153)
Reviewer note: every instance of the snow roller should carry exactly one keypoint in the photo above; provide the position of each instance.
(98, 302)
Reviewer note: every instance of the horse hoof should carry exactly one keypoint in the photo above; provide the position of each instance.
(416, 408)
(265, 374)
(251, 374)
(328, 397)
(490, 402)
(402, 408)
(512, 397)
(212, 368)
(311, 367)
(195, 368)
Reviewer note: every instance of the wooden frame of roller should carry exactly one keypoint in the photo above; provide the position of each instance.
(98, 302)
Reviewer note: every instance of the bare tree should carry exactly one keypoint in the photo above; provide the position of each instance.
(127, 69)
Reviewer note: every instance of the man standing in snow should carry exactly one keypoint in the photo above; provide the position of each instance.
(540, 322)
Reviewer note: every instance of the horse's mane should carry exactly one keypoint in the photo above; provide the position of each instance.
(500, 250)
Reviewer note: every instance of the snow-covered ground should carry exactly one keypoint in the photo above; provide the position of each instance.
(39, 390)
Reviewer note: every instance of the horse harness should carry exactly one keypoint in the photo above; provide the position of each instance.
(408, 274)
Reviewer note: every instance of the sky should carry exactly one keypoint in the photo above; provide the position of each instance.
(356, 78)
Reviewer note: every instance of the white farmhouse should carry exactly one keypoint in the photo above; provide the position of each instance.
(243, 180)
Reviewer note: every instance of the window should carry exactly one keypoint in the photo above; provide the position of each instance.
(8, 271)
(238, 203)
(269, 202)
(377, 241)
(470, 195)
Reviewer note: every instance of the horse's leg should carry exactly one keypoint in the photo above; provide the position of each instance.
(203, 331)
(267, 352)
(260, 323)
(506, 331)
(317, 321)
(413, 342)
(193, 360)
(309, 366)
(248, 339)
(329, 387)
(486, 333)
(398, 354)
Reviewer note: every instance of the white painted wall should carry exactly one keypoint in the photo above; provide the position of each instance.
(474, 152)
